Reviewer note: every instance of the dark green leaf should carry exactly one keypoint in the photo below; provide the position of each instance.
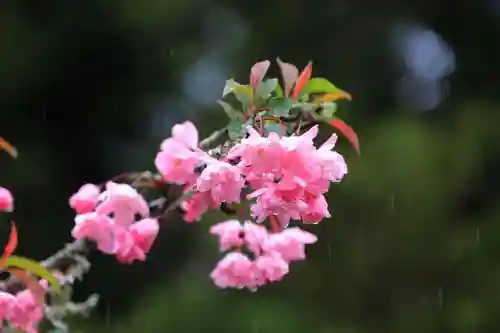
(236, 129)
(230, 111)
(280, 107)
(266, 88)
(244, 98)
(243, 93)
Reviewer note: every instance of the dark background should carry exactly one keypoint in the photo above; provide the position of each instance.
(89, 89)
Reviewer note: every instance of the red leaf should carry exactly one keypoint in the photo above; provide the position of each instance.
(21, 274)
(289, 74)
(5, 145)
(258, 72)
(11, 244)
(302, 80)
(347, 131)
(30, 282)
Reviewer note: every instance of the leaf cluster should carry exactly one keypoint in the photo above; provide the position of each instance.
(286, 108)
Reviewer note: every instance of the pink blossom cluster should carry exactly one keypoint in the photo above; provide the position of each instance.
(117, 219)
(268, 256)
(288, 175)
(23, 311)
(284, 177)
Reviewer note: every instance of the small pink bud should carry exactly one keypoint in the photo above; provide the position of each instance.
(6, 200)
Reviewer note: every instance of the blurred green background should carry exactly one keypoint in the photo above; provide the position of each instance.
(88, 89)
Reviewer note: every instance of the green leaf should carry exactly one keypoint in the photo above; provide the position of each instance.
(34, 267)
(231, 112)
(243, 93)
(274, 128)
(230, 86)
(280, 107)
(278, 91)
(328, 109)
(236, 129)
(266, 88)
(319, 85)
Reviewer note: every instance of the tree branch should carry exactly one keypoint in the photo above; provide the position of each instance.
(70, 262)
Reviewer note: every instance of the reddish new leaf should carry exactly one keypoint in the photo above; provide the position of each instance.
(30, 282)
(304, 77)
(258, 72)
(21, 274)
(5, 145)
(289, 73)
(347, 131)
(11, 244)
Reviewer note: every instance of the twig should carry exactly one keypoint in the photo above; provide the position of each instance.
(78, 247)
(212, 138)
(70, 262)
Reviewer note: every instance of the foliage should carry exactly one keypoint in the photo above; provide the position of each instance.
(303, 101)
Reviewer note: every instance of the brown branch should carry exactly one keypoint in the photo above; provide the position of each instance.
(71, 260)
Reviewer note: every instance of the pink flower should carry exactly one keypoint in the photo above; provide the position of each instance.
(135, 242)
(179, 155)
(270, 202)
(263, 154)
(272, 253)
(85, 200)
(124, 202)
(302, 143)
(195, 206)
(234, 270)
(6, 200)
(222, 180)
(230, 234)
(316, 210)
(186, 133)
(271, 267)
(290, 243)
(7, 301)
(332, 164)
(255, 236)
(24, 311)
(96, 227)
(176, 162)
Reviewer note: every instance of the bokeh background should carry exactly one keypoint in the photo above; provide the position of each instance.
(88, 89)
